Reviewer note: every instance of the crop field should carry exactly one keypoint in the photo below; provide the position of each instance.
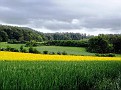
(27, 71)
(45, 75)
(10, 56)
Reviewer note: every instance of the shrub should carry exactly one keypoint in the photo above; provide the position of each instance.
(45, 52)
(33, 44)
(8, 48)
(52, 53)
(105, 55)
(111, 55)
(33, 50)
(21, 48)
(59, 53)
(64, 53)
(24, 50)
(73, 43)
(2, 49)
(36, 51)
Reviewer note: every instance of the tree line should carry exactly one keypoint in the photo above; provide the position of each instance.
(71, 43)
(66, 36)
(103, 43)
(14, 34)
(110, 43)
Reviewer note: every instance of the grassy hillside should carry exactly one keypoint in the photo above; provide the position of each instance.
(60, 75)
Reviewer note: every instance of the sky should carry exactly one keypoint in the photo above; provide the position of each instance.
(79, 16)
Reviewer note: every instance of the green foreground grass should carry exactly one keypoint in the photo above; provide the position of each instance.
(84, 75)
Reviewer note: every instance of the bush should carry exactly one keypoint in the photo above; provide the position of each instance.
(14, 50)
(111, 55)
(105, 55)
(36, 51)
(59, 53)
(8, 48)
(2, 49)
(52, 53)
(21, 48)
(45, 52)
(33, 50)
(33, 44)
(64, 53)
(14, 41)
(24, 50)
(72, 43)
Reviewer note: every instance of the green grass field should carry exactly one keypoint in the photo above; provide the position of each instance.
(5, 44)
(69, 50)
(83, 75)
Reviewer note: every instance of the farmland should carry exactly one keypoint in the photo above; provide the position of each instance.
(10, 56)
(84, 75)
(24, 71)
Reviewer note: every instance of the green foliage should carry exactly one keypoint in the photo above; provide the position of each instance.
(65, 36)
(8, 48)
(14, 41)
(105, 55)
(98, 45)
(3, 36)
(117, 45)
(59, 53)
(33, 44)
(52, 53)
(64, 53)
(72, 43)
(21, 34)
(83, 75)
(22, 49)
(45, 52)
(33, 50)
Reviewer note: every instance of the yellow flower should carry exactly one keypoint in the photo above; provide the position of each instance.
(11, 56)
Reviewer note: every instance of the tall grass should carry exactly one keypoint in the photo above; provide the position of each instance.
(84, 75)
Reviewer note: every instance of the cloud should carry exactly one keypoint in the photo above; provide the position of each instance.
(63, 15)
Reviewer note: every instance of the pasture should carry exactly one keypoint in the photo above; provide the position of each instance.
(69, 50)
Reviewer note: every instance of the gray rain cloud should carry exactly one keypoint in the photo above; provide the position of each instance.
(63, 15)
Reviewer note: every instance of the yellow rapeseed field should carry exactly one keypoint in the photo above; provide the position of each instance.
(11, 56)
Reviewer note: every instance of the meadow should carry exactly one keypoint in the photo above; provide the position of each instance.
(69, 50)
(45, 75)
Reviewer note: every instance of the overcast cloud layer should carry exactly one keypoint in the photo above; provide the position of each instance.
(84, 16)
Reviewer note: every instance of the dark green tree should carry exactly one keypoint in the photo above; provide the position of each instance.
(98, 45)
(4, 36)
(117, 45)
